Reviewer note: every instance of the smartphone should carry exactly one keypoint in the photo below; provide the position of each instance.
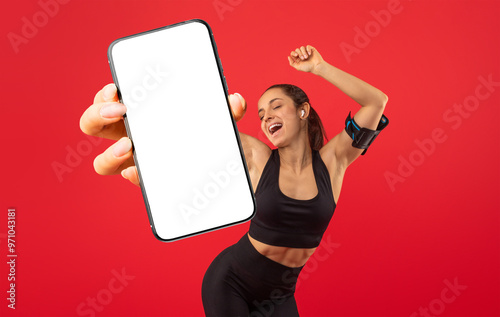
(193, 174)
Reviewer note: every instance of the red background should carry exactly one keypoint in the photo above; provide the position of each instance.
(396, 244)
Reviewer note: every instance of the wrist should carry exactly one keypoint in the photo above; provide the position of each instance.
(319, 69)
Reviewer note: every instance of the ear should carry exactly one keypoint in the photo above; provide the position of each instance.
(304, 110)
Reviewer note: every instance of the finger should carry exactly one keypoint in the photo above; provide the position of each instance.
(115, 158)
(290, 61)
(304, 52)
(107, 93)
(310, 49)
(299, 54)
(104, 120)
(295, 56)
(131, 174)
(242, 100)
(238, 106)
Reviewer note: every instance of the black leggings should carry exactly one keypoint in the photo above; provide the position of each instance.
(242, 282)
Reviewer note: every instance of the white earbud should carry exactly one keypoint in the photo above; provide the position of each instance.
(303, 112)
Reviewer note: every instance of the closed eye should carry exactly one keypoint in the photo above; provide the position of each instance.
(262, 117)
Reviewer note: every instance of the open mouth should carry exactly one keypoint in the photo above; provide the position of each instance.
(275, 127)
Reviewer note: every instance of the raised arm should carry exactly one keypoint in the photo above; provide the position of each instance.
(256, 152)
(371, 99)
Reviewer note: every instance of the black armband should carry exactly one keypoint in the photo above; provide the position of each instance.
(363, 137)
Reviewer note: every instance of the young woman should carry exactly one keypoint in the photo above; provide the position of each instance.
(296, 185)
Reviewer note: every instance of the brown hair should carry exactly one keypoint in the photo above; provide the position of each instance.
(316, 132)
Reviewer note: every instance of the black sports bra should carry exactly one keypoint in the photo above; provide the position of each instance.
(287, 222)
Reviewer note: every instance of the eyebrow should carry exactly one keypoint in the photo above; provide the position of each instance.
(270, 102)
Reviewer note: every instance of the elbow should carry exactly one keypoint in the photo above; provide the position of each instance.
(378, 101)
(382, 100)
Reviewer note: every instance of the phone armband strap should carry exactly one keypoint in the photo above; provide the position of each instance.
(363, 137)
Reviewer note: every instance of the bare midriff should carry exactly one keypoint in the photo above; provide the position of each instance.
(291, 257)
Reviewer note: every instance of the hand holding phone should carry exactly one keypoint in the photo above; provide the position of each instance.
(189, 158)
(104, 119)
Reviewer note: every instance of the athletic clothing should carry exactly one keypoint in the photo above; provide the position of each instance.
(242, 282)
(287, 222)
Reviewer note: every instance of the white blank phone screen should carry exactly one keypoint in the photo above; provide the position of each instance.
(192, 171)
